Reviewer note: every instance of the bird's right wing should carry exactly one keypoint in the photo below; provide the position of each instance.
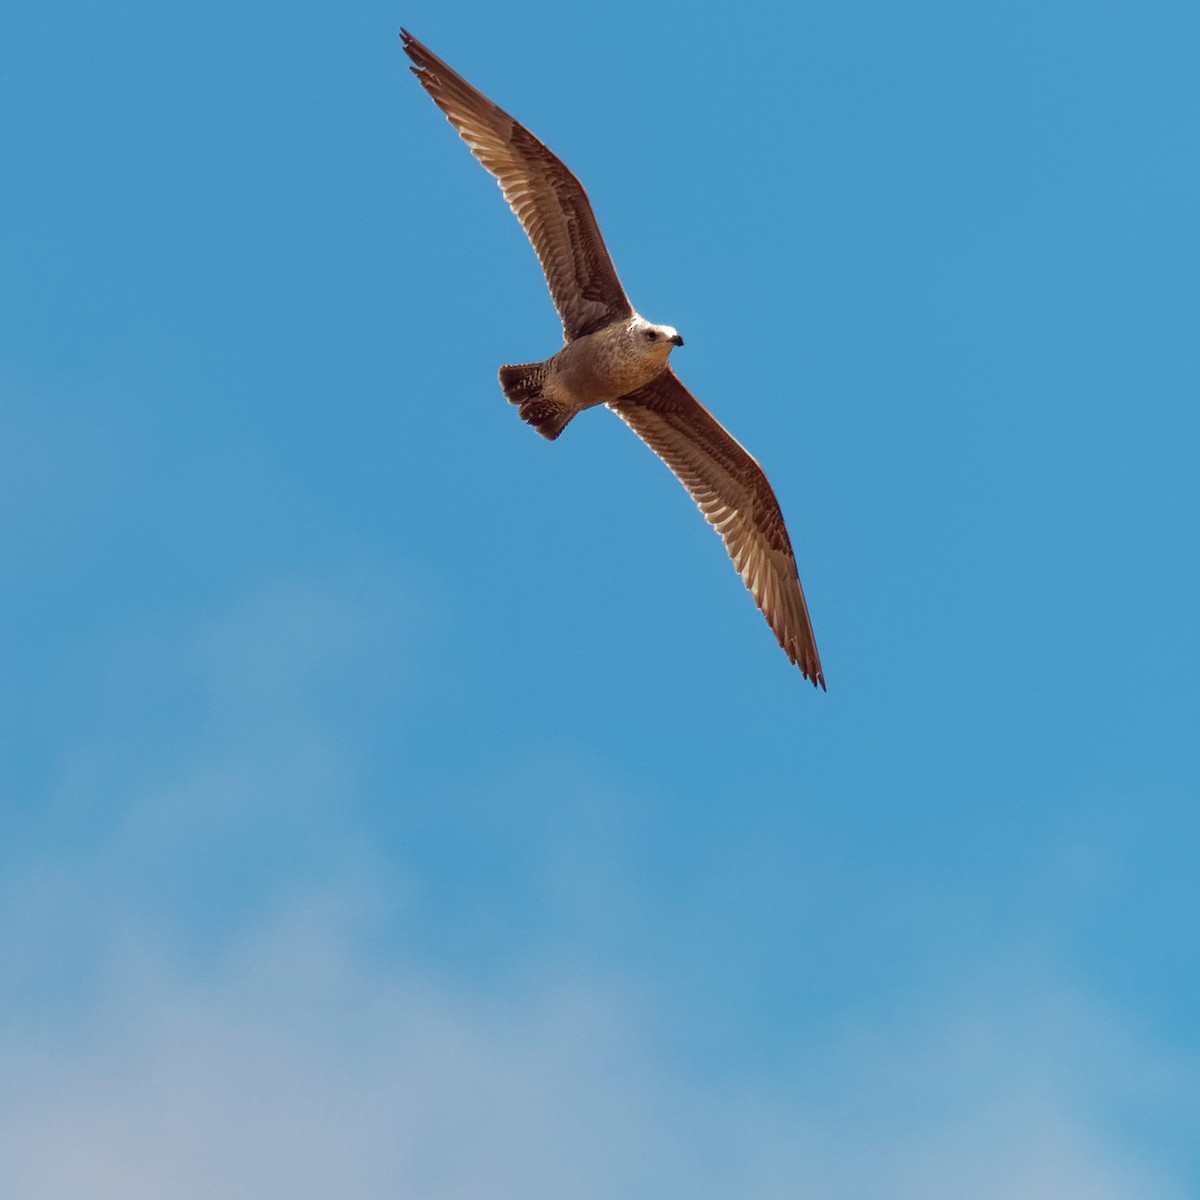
(735, 498)
(547, 199)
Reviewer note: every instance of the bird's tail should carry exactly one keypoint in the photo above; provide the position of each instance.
(522, 384)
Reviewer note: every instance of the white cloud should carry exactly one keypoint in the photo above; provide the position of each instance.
(298, 1051)
(295, 1068)
(299, 1064)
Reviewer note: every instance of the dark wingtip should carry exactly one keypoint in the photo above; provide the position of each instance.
(410, 44)
(816, 678)
(814, 674)
(413, 49)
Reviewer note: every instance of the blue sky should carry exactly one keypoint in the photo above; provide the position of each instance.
(396, 804)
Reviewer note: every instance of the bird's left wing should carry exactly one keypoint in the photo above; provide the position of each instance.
(735, 498)
(548, 200)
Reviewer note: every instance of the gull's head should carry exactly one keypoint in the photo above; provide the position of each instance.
(654, 341)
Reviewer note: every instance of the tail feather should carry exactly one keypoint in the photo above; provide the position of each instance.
(522, 384)
(548, 417)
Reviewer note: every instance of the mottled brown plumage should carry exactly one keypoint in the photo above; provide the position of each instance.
(614, 356)
(732, 492)
(548, 200)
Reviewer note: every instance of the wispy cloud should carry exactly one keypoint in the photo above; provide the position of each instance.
(298, 1064)
(216, 985)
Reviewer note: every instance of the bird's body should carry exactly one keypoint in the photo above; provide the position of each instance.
(593, 369)
(613, 356)
(601, 367)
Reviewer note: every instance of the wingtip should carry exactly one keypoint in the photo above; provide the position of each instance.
(409, 44)
(425, 62)
(816, 678)
(813, 673)
(809, 664)
(414, 50)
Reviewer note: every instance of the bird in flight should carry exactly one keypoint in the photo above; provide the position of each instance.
(614, 356)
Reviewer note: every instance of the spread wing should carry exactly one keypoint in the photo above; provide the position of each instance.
(548, 200)
(736, 500)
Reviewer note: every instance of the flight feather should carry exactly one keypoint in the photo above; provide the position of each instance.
(732, 492)
(546, 197)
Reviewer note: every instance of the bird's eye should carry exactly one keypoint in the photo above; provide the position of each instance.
(651, 335)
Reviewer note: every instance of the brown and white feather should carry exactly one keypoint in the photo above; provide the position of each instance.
(732, 492)
(546, 197)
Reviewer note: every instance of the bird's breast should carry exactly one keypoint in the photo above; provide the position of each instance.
(599, 367)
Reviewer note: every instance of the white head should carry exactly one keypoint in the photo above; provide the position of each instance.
(653, 341)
